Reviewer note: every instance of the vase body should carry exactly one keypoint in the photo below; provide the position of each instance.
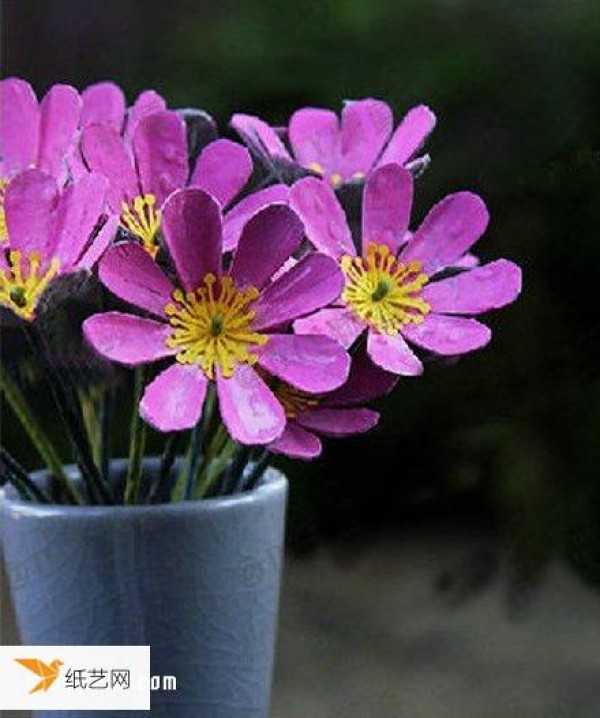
(197, 581)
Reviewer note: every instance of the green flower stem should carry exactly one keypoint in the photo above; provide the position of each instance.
(220, 453)
(29, 422)
(19, 478)
(163, 481)
(137, 442)
(261, 463)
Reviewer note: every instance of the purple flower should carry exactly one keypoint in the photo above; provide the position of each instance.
(394, 289)
(145, 167)
(35, 134)
(346, 150)
(336, 414)
(51, 231)
(217, 325)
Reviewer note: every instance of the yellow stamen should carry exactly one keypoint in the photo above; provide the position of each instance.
(358, 176)
(384, 292)
(293, 400)
(336, 179)
(316, 167)
(141, 218)
(22, 285)
(212, 326)
(3, 230)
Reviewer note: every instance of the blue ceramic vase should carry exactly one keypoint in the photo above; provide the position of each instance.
(198, 581)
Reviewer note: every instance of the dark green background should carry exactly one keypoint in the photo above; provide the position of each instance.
(508, 436)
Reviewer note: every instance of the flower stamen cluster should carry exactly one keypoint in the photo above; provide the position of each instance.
(141, 218)
(212, 326)
(22, 284)
(383, 291)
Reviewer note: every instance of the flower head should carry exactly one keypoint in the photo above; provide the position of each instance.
(149, 161)
(395, 289)
(51, 232)
(335, 414)
(227, 327)
(341, 150)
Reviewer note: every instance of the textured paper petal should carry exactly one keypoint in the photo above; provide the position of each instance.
(393, 354)
(366, 127)
(410, 136)
(315, 138)
(174, 400)
(60, 111)
(30, 202)
(103, 103)
(222, 170)
(366, 382)
(338, 422)
(339, 323)
(387, 203)
(100, 243)
(297, 443)
(448, 336)
(147, 103)
(259, 135)
(237, 217)
(19, 126)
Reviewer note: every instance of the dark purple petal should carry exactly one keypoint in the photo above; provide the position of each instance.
(366, 382)
(160, 148)
(338, 422)
(314, 282)
(192, 227)
(296, 442)
(132, 275)
(259, 135)
(268, 240)
(237, 217)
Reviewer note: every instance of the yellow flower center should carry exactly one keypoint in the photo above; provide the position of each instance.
(293, 400)
(384, 292)
(3, 230)
(212, 326)
(22, 284)
(142, 218)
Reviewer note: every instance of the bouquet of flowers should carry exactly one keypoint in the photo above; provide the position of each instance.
(256, 296)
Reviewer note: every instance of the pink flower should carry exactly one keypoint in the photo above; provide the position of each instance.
(336, 414)
(52, 231)
(218, 325)
(346, 150)
(146, 166)
(395, 289)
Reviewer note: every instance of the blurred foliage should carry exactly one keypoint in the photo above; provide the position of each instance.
(509, 436)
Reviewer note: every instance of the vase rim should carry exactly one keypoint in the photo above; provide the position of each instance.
(272, 483)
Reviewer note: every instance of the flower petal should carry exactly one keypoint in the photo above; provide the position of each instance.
(324, 220)
(19, 126)
(147, 103)
(339, 323)
(133, 276)
(30, 201)
(250, 410)
(79, 210)
(393, 354)
(387, 202)
(314, 282)
(488, 287)
(315, 364)
(448, 336)
(59, 122)
(160, 148)
(315, 138)
(259, 135)
(222, 169)
(236, 218)
(267, 241)
(191, 223)
(104, 152)
(103, 103)
(174, 400)
(296, 442)
(366, 127)
(450, 229)
(100, 243)
(128, 339)
(410, 136)
(366, 382)
(338, 422)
